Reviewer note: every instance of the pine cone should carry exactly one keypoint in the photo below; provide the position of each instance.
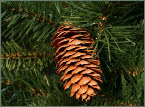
(75, 62)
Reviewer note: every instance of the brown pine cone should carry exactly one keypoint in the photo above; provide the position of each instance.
(75, 62)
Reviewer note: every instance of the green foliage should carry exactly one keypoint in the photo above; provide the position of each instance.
(28, 68)
(34, 20)
(127, 13)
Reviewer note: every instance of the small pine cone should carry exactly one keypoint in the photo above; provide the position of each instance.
(75, 62)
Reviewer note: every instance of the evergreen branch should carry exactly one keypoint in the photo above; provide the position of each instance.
(30, 19)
